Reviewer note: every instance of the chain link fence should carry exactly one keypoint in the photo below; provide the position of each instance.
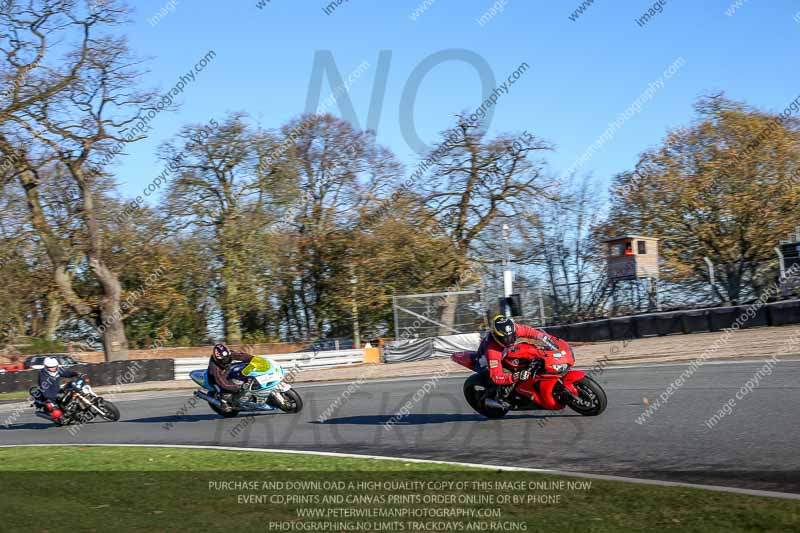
(419, 316)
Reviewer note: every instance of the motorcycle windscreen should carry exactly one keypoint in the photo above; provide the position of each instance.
(257, 365)
(199, 377)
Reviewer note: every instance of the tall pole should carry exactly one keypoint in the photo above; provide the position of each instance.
(711, 280)
(396, 321)
(542, 318)
(507, 275)
(782, 265)
(356, 330)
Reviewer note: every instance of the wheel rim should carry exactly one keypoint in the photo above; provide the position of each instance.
(291, 403)
(477, 395)
(582, 402)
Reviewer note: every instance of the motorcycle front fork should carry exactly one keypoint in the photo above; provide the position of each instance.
(502, 392)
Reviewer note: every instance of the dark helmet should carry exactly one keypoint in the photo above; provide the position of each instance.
(222, 355)
(504, 331)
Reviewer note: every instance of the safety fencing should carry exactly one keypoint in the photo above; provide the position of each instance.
(100, 374)
(304, 360)
(406, 350)
(680, 322)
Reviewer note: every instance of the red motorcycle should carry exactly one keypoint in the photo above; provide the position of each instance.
(553, 383)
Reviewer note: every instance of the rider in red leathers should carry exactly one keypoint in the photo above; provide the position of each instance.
(503, 335)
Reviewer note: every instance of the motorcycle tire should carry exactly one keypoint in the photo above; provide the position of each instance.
(474, 388)
(225, 413)
(110, 411)
(593, 398)
(295, 402)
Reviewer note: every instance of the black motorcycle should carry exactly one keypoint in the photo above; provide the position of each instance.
(78, 404)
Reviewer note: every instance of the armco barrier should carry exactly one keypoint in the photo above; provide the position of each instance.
(760, 320)
(723, 318)
(679, 322)
(101, 374)
(600, 331)
(622, 328)
(646, 326)
(670, 323)
(304, 360)
(696, 322)
(783, 313)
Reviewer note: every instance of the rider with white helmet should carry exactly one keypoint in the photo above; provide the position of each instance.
(50, 384)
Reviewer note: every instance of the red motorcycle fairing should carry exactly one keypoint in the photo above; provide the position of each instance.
(570, 378)
(466, 359)
(540, 390)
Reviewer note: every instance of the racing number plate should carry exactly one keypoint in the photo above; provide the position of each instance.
(263, 379)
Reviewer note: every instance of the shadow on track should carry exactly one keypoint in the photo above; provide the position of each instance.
(433, 418)
(28, 425)
(188, 418)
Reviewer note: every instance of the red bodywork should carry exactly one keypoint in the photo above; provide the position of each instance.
(11, 367)
(540, 387)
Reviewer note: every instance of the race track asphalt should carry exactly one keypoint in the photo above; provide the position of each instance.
(757, 446)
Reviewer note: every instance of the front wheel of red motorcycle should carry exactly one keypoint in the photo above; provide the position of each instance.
(475, 389)
(591, 400)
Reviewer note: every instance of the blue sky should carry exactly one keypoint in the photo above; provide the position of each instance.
(582, 73)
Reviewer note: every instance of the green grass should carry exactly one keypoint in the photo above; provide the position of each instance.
(122, 459)
(162, 489)
(17, 395)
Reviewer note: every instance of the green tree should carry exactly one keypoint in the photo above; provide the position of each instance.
(721, 188)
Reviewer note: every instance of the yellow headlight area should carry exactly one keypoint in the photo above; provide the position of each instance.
(257, 364)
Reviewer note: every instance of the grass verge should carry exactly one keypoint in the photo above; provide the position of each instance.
(16, 395)
(160, 489)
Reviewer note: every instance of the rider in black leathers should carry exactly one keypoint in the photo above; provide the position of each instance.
(218, 365)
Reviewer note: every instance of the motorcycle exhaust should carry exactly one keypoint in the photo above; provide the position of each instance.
(209, 399)
(494, 404)
(47, 416)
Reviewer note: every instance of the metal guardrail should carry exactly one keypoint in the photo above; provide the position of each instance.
(710, 319)
(102, 374)
(304, 360)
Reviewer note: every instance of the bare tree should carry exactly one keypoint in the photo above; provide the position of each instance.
(335, 171)
(72, 97)
(218, 193)
(555, 244)
(473, 184)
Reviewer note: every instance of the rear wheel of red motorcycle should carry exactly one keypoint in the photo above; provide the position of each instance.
(474, 390)
(593, 399)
